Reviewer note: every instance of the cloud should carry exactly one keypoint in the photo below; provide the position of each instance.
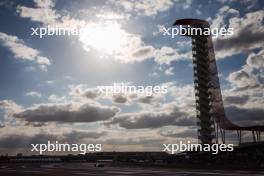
(248, 35)
(187, 133)
(44, 3)
(119, 98)
(149, 8)
(103, 35)
(137, 143)
(144, 52)
(250, 75)
(165, 55)
(244, 96)
(169, 71)
(10, 108)
(46, 14)
(223, 14)
(99, 35)
(112, 16)
(242, 78)
(84, 91)
(50, 81)
(2, 125)
(13, 141)
(244, 100)
(146, 99)
(21, 51)
(55, 99)
(140, 98)
(134, 141)
(256, 60)
(114, 41)
(67, 113)
(81, 135)
(183, 95)
(43, 12)
(168, 115)
(33, 94)
(20, 140)
(245, 116)
(143, 100)
(236, 99)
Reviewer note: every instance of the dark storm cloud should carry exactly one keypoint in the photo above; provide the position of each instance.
(65, 113)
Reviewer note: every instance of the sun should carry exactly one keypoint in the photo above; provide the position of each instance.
(107, 37)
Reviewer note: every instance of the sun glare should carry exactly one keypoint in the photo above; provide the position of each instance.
(105, 36)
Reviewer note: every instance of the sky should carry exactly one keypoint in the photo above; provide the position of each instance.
(48, 86)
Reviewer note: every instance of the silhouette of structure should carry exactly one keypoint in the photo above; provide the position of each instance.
(209, 104)
(253, 152)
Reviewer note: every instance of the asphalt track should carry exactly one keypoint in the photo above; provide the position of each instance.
(72, 169)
